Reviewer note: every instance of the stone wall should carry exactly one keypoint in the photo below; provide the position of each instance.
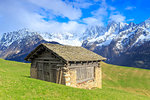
(98, 77)
(33, 69)
(70, 79)
(33, 72)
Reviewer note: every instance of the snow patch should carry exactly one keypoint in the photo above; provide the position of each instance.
(74, 42)
(141, 39)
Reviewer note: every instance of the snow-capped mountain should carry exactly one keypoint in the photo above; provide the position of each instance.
(18, 44)
(10, 37)
(65, 38)
(120, 43)
(119, 39)
(125, 35)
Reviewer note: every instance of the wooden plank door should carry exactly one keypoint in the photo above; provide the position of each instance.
(46, 70)
(53, 75)
(49, 72)
(40, 74)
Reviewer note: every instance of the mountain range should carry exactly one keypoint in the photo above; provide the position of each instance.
(121, 43)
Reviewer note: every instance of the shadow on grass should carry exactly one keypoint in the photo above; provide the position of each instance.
(27, 76)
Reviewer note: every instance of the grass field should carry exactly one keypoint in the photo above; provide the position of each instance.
(119, 83)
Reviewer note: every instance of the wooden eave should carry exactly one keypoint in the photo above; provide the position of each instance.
(28, 58)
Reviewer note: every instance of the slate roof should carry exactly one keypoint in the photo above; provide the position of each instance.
(72, 53)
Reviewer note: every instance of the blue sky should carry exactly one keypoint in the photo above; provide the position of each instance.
(69, 15)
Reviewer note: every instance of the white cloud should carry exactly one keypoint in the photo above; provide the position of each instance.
(130, 19)
(130, 8)
(93, 21)
(53, 26)
(112, 8)
(99, 14)
(80, 3)
(72, 26)
(17, 16)
(117, 18)
(102, 10)
(59, 8)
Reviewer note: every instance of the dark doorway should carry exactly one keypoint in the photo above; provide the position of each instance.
(45, 71)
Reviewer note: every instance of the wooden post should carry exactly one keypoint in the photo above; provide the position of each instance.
(57, 77)
(60, 76)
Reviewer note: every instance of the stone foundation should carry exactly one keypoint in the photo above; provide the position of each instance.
(33, 72)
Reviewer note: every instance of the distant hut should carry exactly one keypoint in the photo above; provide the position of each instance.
(69, 65)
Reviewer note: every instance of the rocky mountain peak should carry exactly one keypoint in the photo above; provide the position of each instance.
(114, 41)
(145, 24)
(147, 21)
(10, 37)
(120, 39)
(131, 24)
(93, 32)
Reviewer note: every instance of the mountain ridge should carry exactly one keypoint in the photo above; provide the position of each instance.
(128, 37)
(114, 41)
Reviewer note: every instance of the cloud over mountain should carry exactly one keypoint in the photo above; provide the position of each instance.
(66, 15)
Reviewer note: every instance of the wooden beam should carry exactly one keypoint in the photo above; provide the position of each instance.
(72, 67)
(57, 76)
(60, 76)
(46, 59)
(60, 65)
(53, 62)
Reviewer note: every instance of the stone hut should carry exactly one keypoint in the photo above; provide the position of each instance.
(69, 65)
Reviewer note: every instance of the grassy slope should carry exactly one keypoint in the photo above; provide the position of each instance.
(119, 83)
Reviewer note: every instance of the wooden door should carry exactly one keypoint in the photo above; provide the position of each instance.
(53, 75)
(40, 74)
(46, 71)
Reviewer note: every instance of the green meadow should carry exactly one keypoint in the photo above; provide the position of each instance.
(119, 83)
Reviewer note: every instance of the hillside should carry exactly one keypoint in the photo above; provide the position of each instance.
(119, 83)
